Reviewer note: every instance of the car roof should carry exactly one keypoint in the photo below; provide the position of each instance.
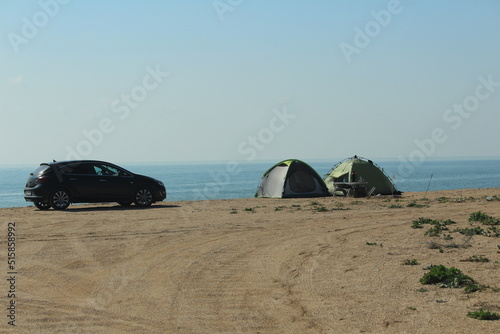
(67, 162)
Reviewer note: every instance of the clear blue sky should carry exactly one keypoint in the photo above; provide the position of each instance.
(142, 81)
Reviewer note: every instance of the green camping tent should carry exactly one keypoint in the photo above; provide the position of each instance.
(361, 171)
(291, 178)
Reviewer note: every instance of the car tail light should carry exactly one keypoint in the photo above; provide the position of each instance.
(41, 179)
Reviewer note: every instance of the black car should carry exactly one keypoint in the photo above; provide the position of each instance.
(58, 184)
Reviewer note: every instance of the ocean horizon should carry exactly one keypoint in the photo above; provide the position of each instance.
(188, 181)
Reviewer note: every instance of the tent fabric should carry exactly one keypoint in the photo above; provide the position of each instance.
(272, 184)
(363, 170)
(291, 178)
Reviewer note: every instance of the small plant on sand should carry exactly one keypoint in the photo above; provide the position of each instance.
(484, 218)
(321, 209)
(474, 288)
(279, 208)
(466, 243)
(412, 262)
(446, 277)
(233, 212)
(483, 315)
(472, 231)
(435, 230)
(437, 225)
(464, 199)
(419, 223)
(371, 243)
(443, 199)
(339, 206)
(478, 216)
(475, 258)
(314, 203)
(249, 209)
(493, 231)
(416, 205)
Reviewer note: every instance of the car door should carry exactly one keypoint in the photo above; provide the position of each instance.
(81, 179)
(114, 183)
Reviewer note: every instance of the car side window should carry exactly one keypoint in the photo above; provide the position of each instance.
(77, 169)
(108, 170)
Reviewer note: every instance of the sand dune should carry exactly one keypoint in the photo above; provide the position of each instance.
(326, 265)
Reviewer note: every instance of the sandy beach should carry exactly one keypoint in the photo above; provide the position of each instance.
(321, 265)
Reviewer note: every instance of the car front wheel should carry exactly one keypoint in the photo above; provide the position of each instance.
(59, 199)
(143, 197)
(42, 206)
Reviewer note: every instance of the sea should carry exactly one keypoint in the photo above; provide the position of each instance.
(190, 181)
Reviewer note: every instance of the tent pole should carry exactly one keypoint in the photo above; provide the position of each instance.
(425, 196)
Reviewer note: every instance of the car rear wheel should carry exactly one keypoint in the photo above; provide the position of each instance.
(60, 199)
(42, 206)
(143, 197)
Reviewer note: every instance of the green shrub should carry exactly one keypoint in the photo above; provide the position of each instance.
(478, 216)
(321, 209)
(435, 230)
(475, 258)
(438, 225)
(474, 288)
(493, 231)
(415, 205)
(446, 277)
(472, 231)
(484, 218)
(483, 315)
(412, 262)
